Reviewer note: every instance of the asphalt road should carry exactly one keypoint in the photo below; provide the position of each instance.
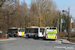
(34, 44)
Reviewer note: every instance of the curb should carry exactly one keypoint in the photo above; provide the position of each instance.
(62, 41)
(67, 43)
(8, 39)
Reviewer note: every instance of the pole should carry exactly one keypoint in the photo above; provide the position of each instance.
(8, 20)
(58, 21)
(25, 22)
(39, 22)
(68, 22)
(71, 24)
(61, 26)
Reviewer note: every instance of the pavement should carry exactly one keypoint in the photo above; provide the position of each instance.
(7, 39)
(64, 41)
(21, 43)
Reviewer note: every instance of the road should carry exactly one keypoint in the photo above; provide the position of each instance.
(34, 44)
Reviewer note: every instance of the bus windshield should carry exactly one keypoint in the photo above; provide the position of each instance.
(32, 30)
(21, 30)
(12, 31)
(51, 30)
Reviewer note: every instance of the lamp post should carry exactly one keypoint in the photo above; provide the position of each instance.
(68, 12)
(8, 19)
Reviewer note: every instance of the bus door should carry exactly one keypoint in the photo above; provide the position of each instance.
(36, 32)
(41, 32)
(51, 33)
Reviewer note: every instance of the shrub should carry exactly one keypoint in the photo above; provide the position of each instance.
(72, 34)
(2, 35)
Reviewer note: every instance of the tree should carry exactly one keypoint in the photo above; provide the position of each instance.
(2, 2)
(46, 9)
(40, 13)
(3, 14)
(16, 18)
(64, 25)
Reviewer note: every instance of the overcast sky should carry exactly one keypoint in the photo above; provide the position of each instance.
(61, 5)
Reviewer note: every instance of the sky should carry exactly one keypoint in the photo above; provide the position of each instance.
(61, 5)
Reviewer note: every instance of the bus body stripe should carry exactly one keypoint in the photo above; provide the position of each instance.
(51, 33)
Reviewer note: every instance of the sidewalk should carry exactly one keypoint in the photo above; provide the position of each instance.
(7, 39)
(64, 41)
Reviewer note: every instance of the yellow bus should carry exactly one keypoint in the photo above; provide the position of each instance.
(50, 33)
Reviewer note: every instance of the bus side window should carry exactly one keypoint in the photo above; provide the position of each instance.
(16, 32)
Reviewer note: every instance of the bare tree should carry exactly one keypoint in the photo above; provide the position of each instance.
(47, 9)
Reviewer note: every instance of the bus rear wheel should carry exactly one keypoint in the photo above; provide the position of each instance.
(15, 35)
(28, 36)
(44, 38)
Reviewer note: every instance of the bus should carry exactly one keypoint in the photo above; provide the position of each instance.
(21, 32)
(14, 32)
(50, 33)
(36, 32)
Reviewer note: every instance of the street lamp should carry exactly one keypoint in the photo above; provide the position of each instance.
(68, 12)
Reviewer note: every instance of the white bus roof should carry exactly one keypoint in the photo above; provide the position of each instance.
(35, 27)
(50, 27)
(32, 27)
(21, 28)
(13, 28)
